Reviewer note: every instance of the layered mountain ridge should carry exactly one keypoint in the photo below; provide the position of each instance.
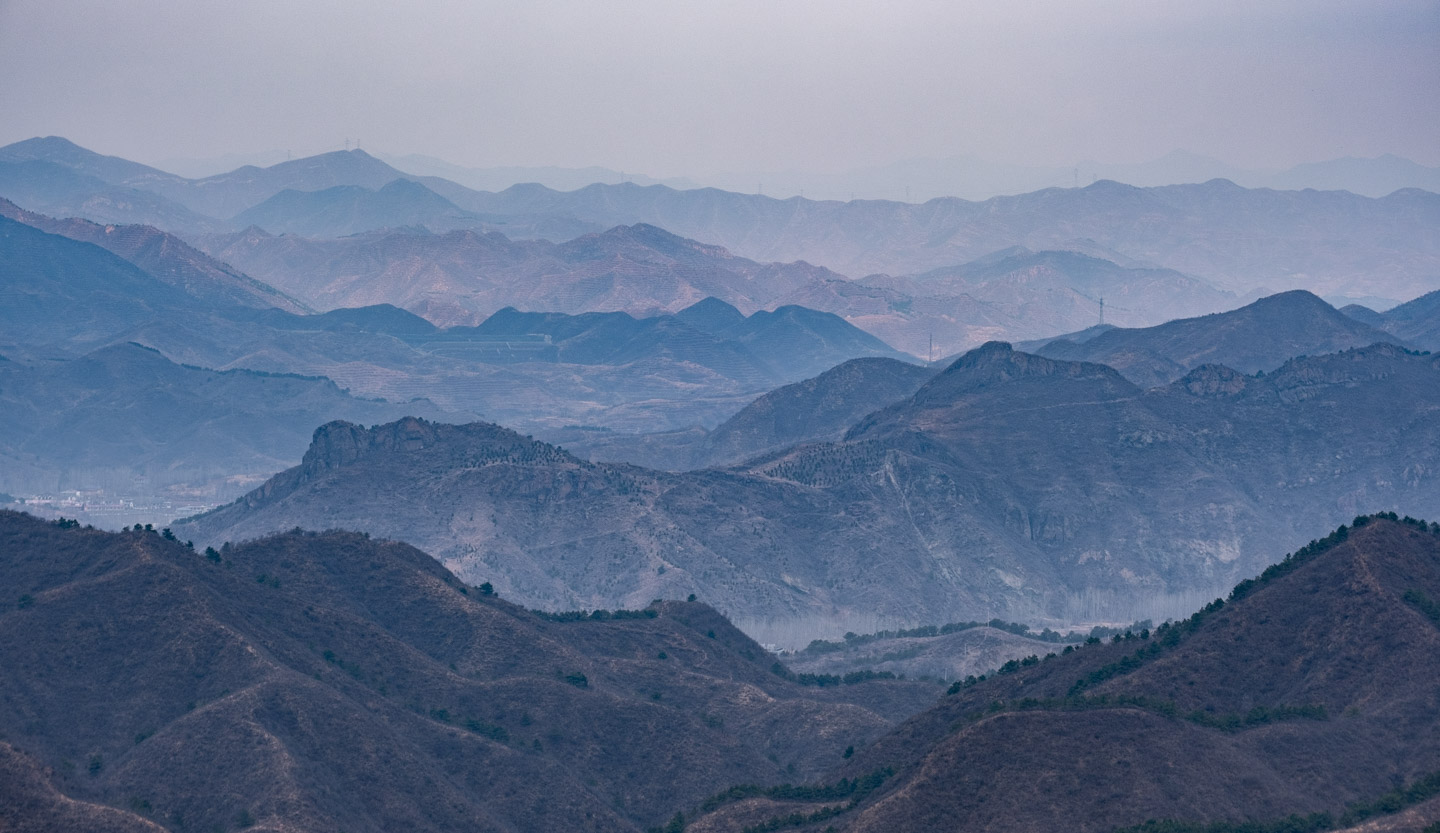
(1238, 240)
(1304, 692)
(1009, 485)
(448, 706)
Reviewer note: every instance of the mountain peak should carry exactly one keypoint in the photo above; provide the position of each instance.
(711, 315)
(1294, 299)
(65, 153)
(1258, 336)
(40, 146)
(991, 366)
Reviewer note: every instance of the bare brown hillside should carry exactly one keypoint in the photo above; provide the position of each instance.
(332, 682)
(1312, 690)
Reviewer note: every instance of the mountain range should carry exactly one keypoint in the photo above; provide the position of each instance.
(334, 682)
(790, 342)
(1251, 339)
(353, 209)
(71, 296)
(1008, 485)
(1416, 322)
(819, 409)
(461, 276)
(165, 257)
(1301, 701)
(972, 178)
(124, 412)
(1237, 239)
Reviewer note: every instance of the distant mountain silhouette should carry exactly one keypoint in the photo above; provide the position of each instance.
(1018, 294)
(69, 297)
(458, 277)
(351, 209)
(59, 191)
(358, 684)
(1236, 238)
(220, 196)
(463, 276)
(126, 411)
(1364, 315)
(1374, 177)
(228, 194)
(972, 178)
(1270, 237)
(1416, 322)
(1260, 336)
(64, 153)
(787, 344)
(1008, 485)
(815, 410)
(380, 318)
(615, 338)
(165, 257)
(59, 289)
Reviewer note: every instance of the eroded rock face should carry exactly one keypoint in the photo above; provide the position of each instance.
(1214, 380)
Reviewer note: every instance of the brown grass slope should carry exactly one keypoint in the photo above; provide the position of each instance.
(1181, 731)
(332, 682)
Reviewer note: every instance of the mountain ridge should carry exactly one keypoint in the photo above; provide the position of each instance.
(1058, 495)
(1250, 339)
(450, 706)
(1213, 685)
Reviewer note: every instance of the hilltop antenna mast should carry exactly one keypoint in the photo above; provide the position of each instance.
(1102, 310)
(931, 354)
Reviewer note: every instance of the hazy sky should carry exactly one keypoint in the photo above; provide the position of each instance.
(690, 88)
